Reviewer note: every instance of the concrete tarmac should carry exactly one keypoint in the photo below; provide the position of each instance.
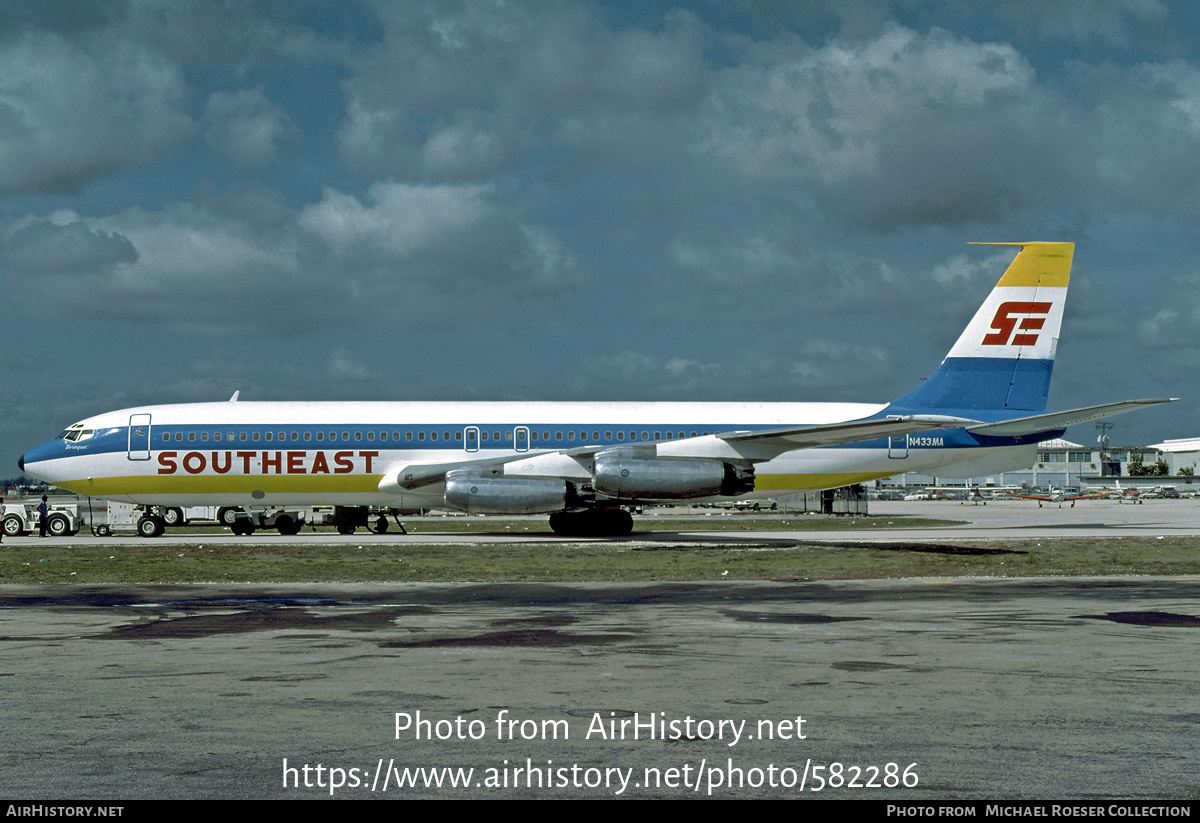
(905, 689)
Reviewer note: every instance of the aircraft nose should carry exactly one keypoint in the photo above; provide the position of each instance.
(21, 462)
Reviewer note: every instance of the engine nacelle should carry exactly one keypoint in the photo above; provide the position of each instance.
(470, 491)
(625, 477)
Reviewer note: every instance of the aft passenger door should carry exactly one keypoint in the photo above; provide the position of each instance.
(139, 437)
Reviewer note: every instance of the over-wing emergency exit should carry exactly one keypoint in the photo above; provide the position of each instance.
(982, 411)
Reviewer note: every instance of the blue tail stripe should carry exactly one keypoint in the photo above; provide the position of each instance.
(983, 383)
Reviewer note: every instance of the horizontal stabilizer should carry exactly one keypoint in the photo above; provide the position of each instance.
(1039, 423)
(836, 434)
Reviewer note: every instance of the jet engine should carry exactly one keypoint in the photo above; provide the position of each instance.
(630, 477)
(471, 491)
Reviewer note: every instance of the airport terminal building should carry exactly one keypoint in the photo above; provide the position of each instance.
(1062, 464)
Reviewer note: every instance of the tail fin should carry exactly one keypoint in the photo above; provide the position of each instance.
(1005, 357)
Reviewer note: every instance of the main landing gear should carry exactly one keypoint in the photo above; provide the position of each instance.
(598, 522)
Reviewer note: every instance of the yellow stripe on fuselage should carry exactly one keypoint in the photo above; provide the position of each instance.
(135, 485)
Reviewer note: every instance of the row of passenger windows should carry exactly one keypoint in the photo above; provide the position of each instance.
(372, 435)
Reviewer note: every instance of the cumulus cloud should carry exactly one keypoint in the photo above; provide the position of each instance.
(515, 77)
(68, 114)
(246, 125)
(416, 253)
(818, 369)
(63, 244)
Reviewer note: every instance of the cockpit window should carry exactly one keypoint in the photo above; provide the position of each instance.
(76, 432)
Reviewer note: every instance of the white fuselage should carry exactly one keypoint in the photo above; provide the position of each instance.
(349, 453)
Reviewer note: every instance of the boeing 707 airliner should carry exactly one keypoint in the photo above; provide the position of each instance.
(982, 411)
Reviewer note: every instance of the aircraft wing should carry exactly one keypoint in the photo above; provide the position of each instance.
(1039, 423)
(836, 434)
(766, 443)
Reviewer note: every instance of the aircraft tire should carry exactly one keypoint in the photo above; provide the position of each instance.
(227, 515)
(345, 528)
(173, 517)
(288, 525)
(381, 525)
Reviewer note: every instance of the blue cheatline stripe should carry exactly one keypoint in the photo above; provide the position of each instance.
(983, 383)
(433, 436)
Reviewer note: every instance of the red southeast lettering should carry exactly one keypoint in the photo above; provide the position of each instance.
(269, 462)
(319, 465)
(369, 456)
(217, 467)
(246, 457)
(193, 462)
(344, 462)
(167, 461)
(295, 463)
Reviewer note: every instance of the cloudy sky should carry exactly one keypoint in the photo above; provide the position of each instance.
(584, 200)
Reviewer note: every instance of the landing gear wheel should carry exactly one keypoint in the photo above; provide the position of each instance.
(381, 525)
(227, 514)
(173, 517)
(345, 529)
(151, 526)
(288, 525)
(104, 530)
(242, 525)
